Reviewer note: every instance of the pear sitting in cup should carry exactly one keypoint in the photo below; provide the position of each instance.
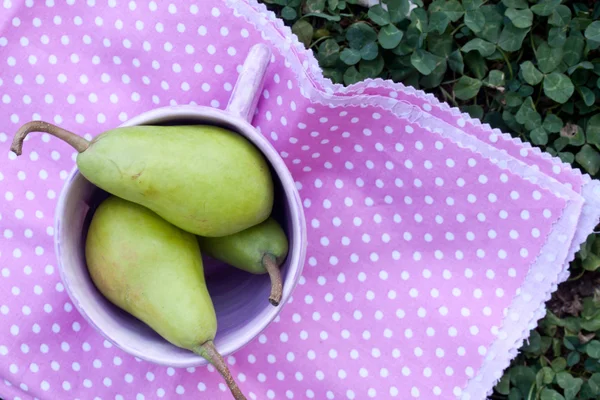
(154, 271)
(204, 179)
(260, 249)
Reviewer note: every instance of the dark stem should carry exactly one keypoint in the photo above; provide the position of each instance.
(276, 282)
(79, 143)
(210, 353)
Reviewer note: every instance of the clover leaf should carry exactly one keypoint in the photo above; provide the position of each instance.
(558, 87)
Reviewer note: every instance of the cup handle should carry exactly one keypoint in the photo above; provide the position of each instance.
(246, 92)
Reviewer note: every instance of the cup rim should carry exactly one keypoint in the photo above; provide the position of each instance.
(297, 252)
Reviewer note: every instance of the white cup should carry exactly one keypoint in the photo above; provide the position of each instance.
(240, 299)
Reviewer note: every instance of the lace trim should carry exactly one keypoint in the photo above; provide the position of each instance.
(312, 68)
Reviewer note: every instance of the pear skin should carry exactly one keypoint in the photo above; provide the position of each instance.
(204, 179)
(153, 270)
(260, 249)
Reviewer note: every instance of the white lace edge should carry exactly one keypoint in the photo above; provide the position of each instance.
(542, 280)
(577, 221)
(312, 68)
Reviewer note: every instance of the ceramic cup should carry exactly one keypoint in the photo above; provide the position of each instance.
(240, 299)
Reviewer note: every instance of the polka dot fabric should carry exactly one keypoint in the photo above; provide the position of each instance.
(430, 245)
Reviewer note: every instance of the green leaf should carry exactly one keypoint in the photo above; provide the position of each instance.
(594, 383)
(322, 15)
(350, 56)
(531, 73)
(527, 115)
(398, 10)
(513, 99)
(510, 121)
(369, 51)
(534, 344)
(548, 57)
(550, 394)
(591, 263)
(580, 23)
(553, 124)
(515, 394)
(419, 19)
(558, 87)
(475, 20)
(288, 13)
(467, 87)
(452, 8)
(304, 31)
(436, 77)
(560, 16)
(389, 36)
(360, 34)
(584, 64)
(539, 136)
(522, 377)
(525, 90)
(589, 98)
(573, 50)
(495, 79)
(473, 110)
(592, 32)
(484, 48)
(557, 37)
(545, 376)
(329, 52)
(438, 21)
(315, 5)
(569, 342)
(424, 61)
(379, 15)
(335, 74)
(493, 24)
(511, 38)
(593, 131)
(503, 386)
(589, 159)
(573, 358)
(414, 37)
(440, 45)
(545, 7)
(570, 385)
(352, 76)
(476, 64)
(371, 68)
(456, 62)
(515, 3)
(471, 5)
(593, 349)
(520, 18)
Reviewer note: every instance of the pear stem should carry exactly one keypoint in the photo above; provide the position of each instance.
(276, 282)
(76, 141)
(211, 354)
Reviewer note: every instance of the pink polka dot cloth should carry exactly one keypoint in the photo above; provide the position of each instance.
(433, 240)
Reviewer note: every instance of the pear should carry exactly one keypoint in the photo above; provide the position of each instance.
(204, 179)
(260, 249)
(153, 270)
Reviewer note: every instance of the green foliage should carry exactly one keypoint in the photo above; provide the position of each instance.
(528, 67)
(547, 52)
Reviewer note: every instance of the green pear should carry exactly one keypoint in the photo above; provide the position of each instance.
(203, 179)
(153, 270)
(260, 249)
